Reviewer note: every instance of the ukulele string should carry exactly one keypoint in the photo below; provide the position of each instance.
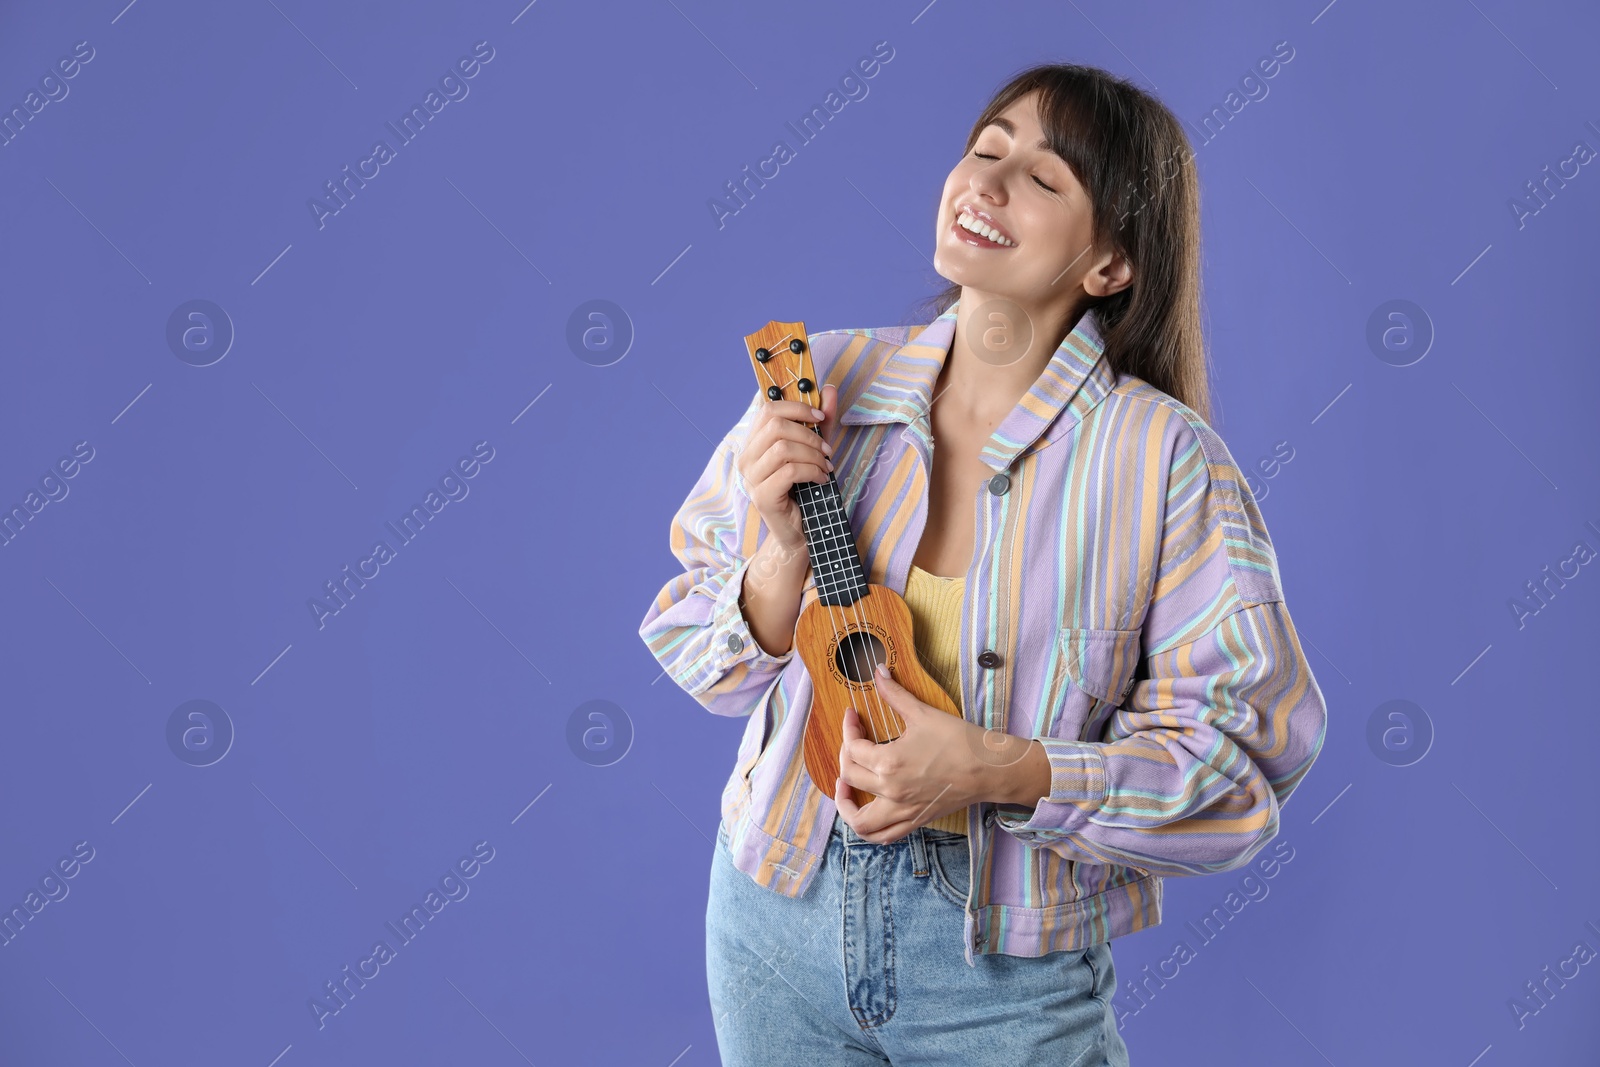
(855, 652)
(880, 730)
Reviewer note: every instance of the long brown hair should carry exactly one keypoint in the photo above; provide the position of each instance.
(1132, 157)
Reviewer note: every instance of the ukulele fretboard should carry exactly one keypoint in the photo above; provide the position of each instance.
(835, 564)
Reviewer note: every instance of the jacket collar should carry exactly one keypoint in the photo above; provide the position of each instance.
(1076, 379)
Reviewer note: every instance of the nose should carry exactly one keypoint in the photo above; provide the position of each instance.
(989, 183)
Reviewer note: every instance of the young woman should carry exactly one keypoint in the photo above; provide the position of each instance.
(1089, 578)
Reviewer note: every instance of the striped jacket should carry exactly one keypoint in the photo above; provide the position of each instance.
(1124, 576)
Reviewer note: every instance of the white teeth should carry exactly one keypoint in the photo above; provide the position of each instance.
(978, 226)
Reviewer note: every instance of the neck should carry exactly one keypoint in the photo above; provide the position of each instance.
(986, 380)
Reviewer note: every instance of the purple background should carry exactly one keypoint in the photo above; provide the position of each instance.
(429, 313)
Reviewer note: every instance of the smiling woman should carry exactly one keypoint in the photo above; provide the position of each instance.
(1134, 701)
(1086, 170)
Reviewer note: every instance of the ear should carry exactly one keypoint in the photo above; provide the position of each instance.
(1111, 274)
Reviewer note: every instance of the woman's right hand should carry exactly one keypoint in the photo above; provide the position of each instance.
(780, 449)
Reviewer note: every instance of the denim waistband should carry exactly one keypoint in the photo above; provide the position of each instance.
(843, 830)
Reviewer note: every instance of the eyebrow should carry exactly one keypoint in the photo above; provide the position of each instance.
(1011, 131)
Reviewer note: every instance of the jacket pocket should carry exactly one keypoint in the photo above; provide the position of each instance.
(1096, 671)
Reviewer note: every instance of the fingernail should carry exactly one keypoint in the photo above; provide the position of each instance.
(828, 463)
(818, 413)
(881, 670)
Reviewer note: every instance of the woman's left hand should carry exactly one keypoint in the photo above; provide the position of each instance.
(931, 769)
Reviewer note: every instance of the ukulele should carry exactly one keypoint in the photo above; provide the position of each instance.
(851, 626)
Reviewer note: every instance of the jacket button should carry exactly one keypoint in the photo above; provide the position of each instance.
(735, 644)
(1000, 483)
(988, 659)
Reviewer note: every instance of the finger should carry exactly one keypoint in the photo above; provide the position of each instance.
(851, 729)
(889, 834)
(858, 774)
(795, 410)
(863, 779)
(772, 489)
(791, 461)
(773, 430)
(881, 822)
(860, 750)
(863, 819)
(857, 749)
(778, 434)
(894, 694)
(769, 428)
(845, 802)
(829, 405)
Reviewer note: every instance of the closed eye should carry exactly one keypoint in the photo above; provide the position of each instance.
(1042, 185)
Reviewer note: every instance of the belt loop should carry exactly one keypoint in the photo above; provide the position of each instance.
(919, 853)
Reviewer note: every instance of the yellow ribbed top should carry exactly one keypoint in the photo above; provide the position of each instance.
(935, 604)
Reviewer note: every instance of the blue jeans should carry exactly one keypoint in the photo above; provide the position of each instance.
(867, 967)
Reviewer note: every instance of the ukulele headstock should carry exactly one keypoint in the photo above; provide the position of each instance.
(780, 354)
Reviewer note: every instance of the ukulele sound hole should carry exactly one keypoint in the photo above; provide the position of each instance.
(858, 654)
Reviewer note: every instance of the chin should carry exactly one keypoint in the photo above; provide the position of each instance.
(951, 269)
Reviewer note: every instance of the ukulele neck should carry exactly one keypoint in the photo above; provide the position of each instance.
(840, 578)
(781, 357)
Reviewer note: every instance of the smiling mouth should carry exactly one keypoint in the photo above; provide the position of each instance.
(974, 231)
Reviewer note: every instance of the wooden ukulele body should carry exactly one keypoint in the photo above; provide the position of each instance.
(840, 646)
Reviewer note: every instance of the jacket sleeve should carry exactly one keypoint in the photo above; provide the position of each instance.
(695, 627)
(1225, 719)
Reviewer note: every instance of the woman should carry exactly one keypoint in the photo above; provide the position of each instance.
(1089, 577)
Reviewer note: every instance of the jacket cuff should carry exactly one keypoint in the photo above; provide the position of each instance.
(1077, 791)
(732, 642)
